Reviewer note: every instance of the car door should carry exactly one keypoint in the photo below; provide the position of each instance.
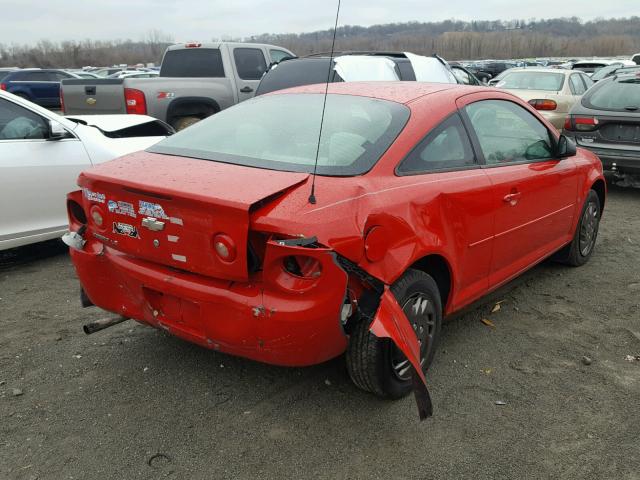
(250, 65)
(457, 188)
(35, 176)
(534, 192)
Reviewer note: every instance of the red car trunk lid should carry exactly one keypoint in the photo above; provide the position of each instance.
(169, 209)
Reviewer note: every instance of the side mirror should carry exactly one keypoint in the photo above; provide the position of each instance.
(56, 131)
(566, 147)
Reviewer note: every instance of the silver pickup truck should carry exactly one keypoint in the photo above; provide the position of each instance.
(196, 80)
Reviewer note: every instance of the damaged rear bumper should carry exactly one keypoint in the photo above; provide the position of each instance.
(273, 319)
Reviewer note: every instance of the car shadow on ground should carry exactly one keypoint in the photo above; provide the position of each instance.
(19, 256)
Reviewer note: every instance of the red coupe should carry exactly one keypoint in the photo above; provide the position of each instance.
(427, 196)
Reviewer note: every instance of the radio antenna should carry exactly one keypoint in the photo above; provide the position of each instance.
(312, 197)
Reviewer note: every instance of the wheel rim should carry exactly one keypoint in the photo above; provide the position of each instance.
(420, 311)
(588, 229)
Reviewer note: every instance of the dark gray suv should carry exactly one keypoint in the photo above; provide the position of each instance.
(607, 122)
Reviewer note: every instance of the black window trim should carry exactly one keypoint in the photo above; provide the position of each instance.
(476, 142)
(477, 159)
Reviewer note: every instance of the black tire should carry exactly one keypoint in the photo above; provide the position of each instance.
(370, 360)
(184, 122)
(579, 251)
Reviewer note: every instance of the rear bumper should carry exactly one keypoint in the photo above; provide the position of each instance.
(616, 160)
(262, 322)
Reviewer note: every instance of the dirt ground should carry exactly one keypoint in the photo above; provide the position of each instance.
(132, 402)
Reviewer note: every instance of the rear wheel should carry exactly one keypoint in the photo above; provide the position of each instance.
(376, 364)
(184, 122)
(579, 251)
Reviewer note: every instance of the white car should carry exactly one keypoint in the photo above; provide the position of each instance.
(41, 155)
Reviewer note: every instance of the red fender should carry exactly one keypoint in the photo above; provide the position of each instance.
(391, 322)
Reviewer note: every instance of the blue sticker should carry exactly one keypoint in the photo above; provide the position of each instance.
(149, 209)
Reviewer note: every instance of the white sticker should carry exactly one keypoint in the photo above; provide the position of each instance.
(173, 238)
(93, 196)
(178, 258)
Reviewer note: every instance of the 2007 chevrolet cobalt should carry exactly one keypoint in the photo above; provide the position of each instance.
(426, 198)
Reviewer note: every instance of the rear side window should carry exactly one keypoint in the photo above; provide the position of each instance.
(57, 76)
(192, 62)
(576, 85)
(294, 73)
(508, 133)
(31, 77)
(446, 147)
(250, 63)
(620, 95)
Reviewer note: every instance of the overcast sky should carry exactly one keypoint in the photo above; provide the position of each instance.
(27, 21)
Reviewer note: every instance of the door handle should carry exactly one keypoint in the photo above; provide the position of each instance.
(246, 90)
(512, 198)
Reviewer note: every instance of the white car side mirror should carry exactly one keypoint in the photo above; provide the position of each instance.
(56, 131)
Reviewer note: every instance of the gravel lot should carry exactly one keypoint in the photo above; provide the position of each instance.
(131, 402)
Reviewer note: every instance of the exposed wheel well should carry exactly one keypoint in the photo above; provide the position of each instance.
(438, 268)
(191, 107)
(600, 188)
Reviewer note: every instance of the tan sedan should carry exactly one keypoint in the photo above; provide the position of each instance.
(551, 91)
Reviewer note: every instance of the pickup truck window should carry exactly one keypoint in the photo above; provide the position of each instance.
(192, 63)
(250, 63)
(280, 132)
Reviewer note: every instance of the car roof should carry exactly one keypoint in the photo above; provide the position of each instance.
(399, 92)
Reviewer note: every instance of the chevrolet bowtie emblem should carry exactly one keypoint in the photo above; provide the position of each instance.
(91, 101)
(152, 224)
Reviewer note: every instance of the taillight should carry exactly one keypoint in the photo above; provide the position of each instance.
(136, 102)
(3, 86)
(543, 104)
(192, 45)
(581, 124)
(62, 100)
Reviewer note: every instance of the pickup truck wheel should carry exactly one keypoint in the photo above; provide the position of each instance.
(579, 251)
(376, 364)
(184, 122)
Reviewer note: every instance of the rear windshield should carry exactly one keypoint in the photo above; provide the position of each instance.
(552, 82)
(618, 95)
(192, 63)
(280, 132)
(295, 73)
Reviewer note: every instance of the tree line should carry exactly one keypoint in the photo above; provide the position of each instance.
(452, 39)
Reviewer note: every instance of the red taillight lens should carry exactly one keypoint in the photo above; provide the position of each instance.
(136, 102)
(61, 100)
(3, 86)
(567, 124)
(543, 104)
(585, 124)
(192, 45)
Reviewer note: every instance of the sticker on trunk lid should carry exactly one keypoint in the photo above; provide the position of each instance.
(122, 208)
(125, 229)
(149, 209)
(93, 196)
